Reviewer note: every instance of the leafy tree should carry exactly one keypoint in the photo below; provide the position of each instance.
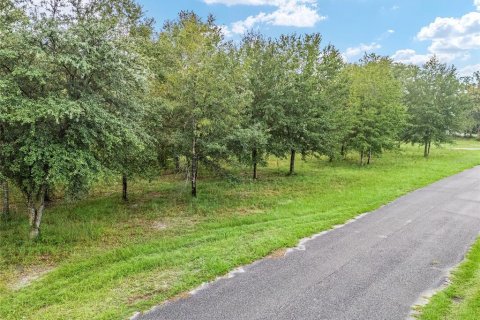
(330, 118)
(250, 139)
(203, 88)
(65, 81)
(435, 101)
(376, 107)
(9, 16)
(304, 116)
(471, 120)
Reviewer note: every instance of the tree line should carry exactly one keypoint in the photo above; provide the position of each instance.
(89, 87)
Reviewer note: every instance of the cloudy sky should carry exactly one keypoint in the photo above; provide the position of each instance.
(407, 30)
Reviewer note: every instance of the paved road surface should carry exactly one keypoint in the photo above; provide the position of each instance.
(376, 267)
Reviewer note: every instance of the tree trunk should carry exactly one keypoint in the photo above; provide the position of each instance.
(429, 145)
(36, 209)
(176, 159)
(425, 151)
(5, 200)
(194, 175)
(362, 153)
(369, 156)
(254, 162)
(194, 168)
(162, 160)
(48, 195)
(292, 162)
(124, 187)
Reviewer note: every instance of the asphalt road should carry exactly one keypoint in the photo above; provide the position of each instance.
(376, 267)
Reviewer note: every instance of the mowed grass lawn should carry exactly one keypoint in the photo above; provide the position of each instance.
(103, 259)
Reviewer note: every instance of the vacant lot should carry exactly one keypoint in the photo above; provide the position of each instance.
(103, 259)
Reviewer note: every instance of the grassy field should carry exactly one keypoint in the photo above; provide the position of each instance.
(103, 259)
(461, 300)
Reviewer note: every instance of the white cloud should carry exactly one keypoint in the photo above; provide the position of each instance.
(469, 70)
(409, 56)
(291, 13)
(226, 31)
(453, 37)
(450, 39)
(353, 52)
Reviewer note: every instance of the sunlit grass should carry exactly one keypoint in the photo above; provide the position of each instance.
(109, 259)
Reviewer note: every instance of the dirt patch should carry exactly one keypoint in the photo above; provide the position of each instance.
(248, 211)
(457, 300)
(29, 275)
(159, 225)
(181, 296)
(146, 296)
(277, 254)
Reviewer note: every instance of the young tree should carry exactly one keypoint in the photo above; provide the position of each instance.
(435, 101)
(204, 88)
(291, 113)
(471, 121)
(304, 112)
(376, 105)
(330, 119)
(64, 85)
(250, 139)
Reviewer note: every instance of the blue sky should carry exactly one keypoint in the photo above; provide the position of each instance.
(408, 30)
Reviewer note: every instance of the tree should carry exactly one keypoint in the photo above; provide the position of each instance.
(9, 15)
(434, 101)
(330, 118)
(471, 121)
(303, 116)
(65, 80)
(376, 107)
(250, 139)
(202, 86)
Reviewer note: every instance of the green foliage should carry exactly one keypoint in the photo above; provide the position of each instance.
(471, 115)
(308, 98)
(435, 101)
(202, 87)
(375, 106)
(69, 101)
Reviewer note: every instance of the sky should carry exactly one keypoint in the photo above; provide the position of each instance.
(409, 31)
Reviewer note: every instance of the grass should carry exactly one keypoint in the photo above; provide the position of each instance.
(460, 300)
(103, 259)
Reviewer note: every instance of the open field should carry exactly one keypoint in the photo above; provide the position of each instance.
(103, 259)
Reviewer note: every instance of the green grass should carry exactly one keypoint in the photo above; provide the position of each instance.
(460, 300)
(107, 259)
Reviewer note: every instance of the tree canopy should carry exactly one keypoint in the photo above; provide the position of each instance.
(89, 89)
